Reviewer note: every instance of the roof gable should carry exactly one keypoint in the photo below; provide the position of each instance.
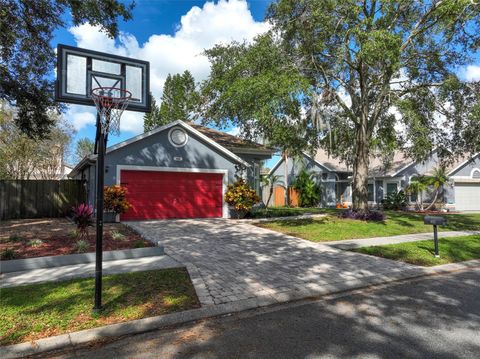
(188, 128)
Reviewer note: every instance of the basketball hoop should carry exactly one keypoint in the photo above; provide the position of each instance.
(110, 103)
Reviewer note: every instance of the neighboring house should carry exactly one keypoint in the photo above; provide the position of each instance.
(180, 170)
(462, 193)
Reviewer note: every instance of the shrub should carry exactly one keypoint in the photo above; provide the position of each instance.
(116, 235)
(83, 218)
(138, 244)
(395, 201)
(82, 246)
(35, 243)
(374, 216)
(309, 191)
(114, 199)
(241, 196)
(8, 253)
(14, 238)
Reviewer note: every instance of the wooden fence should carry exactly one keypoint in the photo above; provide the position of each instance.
(39, 198)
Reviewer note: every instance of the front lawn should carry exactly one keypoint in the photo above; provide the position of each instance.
(332, 228)
(41, 310)
(28, 238)
(453, 249)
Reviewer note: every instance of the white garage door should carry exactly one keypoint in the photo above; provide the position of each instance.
(467, 196)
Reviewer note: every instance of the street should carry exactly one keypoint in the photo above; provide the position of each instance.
(433, 317)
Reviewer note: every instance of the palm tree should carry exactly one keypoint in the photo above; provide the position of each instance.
(270, 181)
(417, 186)
(437, 181)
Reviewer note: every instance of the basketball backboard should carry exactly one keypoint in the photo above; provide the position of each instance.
(79, 71)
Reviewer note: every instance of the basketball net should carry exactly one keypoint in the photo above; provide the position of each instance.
(110, 103)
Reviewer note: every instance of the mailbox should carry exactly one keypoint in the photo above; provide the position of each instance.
(435, 221)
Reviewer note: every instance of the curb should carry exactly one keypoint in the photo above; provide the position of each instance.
(18, 265)
(148, 324)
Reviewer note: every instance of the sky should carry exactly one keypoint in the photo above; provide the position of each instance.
(172, 35)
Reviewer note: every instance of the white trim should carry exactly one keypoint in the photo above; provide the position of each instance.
(322, 165)
(386, 181)
(186, 127)
(225, 212)
(170, 137)
(463, 164)
(476, 169)
(275, 166)
(403, 168)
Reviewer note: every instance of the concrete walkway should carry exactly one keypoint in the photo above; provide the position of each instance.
(86, 270)
(380, 241)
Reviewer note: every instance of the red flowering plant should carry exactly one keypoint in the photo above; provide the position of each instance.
(241, 196)
(114, 199)
(83, 218)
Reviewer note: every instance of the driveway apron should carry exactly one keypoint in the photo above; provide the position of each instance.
(229, 260)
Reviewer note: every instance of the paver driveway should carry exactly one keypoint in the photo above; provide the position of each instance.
(231, 260)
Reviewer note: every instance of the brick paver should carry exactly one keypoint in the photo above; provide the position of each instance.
(231, 260)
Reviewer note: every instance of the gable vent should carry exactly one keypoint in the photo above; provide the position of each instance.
(476, 174)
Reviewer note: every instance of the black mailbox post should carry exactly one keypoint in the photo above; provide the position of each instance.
(435, 221)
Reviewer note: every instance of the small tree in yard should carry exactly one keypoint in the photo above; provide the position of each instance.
(308, 189)
(270, 181)
(417, 187)
(241, 196)
(437, 181)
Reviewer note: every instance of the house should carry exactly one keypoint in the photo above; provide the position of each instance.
(180, 170)
(461, 194)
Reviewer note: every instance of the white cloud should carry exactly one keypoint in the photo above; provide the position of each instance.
(80, 116)
(199, 29)
(472, 73)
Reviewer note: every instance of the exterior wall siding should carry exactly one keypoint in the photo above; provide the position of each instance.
(157, 151)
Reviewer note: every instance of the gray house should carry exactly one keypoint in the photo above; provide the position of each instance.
(180, 170)
(462, 192)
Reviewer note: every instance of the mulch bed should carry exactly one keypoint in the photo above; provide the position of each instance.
(57, 236)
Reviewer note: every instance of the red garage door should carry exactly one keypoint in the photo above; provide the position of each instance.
(160, 195)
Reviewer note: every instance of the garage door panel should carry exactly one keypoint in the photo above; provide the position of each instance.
(467, 196)
(162, 195)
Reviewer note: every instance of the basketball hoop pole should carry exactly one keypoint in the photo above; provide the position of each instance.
(99, 235)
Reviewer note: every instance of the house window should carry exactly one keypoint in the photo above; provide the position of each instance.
(392, 188)
(371, 197)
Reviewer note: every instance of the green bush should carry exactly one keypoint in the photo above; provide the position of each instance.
(138, 244)
(8, 253)
(395, 201)
(35, 243)
(82, 246)
(309, 191)
(117, 235)
(241, 196)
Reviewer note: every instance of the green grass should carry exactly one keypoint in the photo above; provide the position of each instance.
(40, 310)
(453, 249)
(288, 211)
(331, 228)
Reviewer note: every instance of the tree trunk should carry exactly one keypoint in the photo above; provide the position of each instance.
(287, 194)
(434, 199)
(360, 170)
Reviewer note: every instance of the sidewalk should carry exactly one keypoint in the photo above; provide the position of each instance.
(379, 241)
(86, 270)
